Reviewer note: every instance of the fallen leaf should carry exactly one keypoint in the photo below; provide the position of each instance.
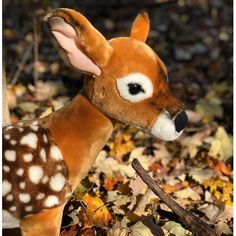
(187, 193)
(118, 230)
(176, 229)
(139, 229)
(221, 144)
(222, 228)
(200, 175)
(96, 211)
(71, 232)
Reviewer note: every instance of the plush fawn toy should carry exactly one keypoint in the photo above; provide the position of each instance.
(45, 159)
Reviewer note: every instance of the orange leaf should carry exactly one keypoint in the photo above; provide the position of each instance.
(222, 168)
(96, 211)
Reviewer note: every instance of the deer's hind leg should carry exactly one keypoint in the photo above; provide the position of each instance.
(46, 223)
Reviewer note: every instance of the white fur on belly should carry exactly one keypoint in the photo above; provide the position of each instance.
(9, 221)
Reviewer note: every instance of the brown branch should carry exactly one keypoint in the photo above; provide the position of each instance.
(187, 218)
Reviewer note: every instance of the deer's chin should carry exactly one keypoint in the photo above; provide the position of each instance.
(164, 128)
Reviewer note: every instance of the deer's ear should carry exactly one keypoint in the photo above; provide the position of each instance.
(86, 48)
(140, 27)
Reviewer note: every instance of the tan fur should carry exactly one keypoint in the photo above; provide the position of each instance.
(82, 128)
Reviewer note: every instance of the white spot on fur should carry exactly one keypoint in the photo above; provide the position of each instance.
(164, 128)
(13, 142)
(28, 208)
(34, 127)
(24, 197)
(9, 127)
(59, 167)
(20, 172)
(45, 139)
(40, 196)
(35, 122)
(10, 155)
(9, 221)
(20, 129)
(30, 140)
(9, 197)
(28, 157)
(6, 168)
(13, 208)
(51, 201)
(22, 185)
(56, 153)
(57, 182)
(20, 124)
(42, 154)
(35, 174)
(45, 179)
(7, 136)
(135, 78)
(6, 187)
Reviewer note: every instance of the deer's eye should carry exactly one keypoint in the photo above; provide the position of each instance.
(135, 87)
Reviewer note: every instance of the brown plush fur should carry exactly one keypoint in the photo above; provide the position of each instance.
(82, 128)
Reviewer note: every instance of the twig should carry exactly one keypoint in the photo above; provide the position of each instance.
(187, 218)
(36, 49)
(5, 108)
(22, 63)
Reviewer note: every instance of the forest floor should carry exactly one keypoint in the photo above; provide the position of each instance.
(194, 39)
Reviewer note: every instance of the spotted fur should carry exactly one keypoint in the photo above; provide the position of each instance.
(35, 177)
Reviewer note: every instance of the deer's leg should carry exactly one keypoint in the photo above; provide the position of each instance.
(46, 223)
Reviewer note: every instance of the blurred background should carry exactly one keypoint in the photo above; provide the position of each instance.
(194, 39)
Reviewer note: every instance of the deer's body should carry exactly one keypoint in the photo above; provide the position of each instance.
(127, 83)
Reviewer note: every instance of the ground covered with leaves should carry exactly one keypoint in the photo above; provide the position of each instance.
(194, 38)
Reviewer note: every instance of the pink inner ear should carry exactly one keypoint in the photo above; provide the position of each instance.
(67, 37)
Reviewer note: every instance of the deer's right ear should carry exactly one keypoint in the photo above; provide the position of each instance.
(86, 48)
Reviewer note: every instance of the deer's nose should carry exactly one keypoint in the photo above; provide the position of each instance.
(181, 121)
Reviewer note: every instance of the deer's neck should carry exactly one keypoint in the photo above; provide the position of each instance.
(80, 131)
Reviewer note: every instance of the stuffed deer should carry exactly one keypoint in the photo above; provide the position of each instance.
(45, 159)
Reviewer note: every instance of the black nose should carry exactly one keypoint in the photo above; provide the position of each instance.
(181, 121)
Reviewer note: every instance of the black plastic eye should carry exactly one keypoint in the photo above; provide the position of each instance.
(135, 88)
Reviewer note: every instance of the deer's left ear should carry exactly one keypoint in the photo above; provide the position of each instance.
(86, 48)
(140, 27)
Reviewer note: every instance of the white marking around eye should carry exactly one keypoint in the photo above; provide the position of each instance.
(141, 79)
(35, 174)
(10, 155)
(56, 153)
(30, 140)
(57, 182)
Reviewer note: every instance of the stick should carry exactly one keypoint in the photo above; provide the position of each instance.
(188, 219)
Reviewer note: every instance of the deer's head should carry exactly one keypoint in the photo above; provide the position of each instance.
(126, 80)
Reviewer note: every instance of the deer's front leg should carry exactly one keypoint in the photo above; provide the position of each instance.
(46, 223)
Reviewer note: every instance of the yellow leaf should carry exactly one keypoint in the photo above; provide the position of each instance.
(96, 211)
(221, 145)
(122, 145)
